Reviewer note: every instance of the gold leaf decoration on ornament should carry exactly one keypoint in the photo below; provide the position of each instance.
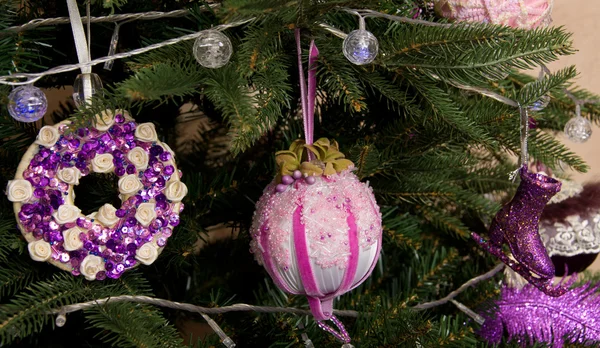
(327, 159)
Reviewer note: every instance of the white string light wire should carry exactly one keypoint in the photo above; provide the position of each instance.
(42, 22)
(32, 77)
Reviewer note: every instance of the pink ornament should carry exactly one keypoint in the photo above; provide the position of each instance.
(320, 240)
(524, 14)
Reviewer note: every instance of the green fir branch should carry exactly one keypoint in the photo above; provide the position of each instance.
(28, 312)
(549, 84)
(162, 82)
(15, 276)
(115, 320)
(229, 92)
(467, 52)
(9, 238)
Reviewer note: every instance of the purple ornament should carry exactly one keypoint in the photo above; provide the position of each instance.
(280, 188)
(311, 180)
(517, 225)
(297, 174)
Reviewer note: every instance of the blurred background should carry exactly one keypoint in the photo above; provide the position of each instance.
(583, 25)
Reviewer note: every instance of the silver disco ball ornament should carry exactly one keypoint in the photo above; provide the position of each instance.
(212, 49)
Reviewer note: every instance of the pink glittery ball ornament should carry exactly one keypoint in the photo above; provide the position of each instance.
(523, 14)
(317, 228)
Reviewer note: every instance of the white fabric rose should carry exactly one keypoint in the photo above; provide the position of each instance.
(130, 184)
(146, 132)
(104, 120)
(40, 250)
(69, 175)
(19, 190)
(138, 157)
(48, 136)
(66, 213)
(71, 239)
(145, 213)
(103, 163)
(147, 253)
(107, 215)
(91, 265)
(175, 191)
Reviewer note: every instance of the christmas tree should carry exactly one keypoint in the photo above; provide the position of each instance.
(431, 115)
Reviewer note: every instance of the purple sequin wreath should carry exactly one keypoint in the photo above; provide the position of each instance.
(110, 241)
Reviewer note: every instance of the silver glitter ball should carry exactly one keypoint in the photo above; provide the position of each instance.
(360, 47)
(578, 129)
(27, 103)
(540, 104)
(212, 49)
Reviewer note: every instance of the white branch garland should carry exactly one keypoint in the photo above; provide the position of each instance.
(61, 312)
(462, 288)
(240, 307)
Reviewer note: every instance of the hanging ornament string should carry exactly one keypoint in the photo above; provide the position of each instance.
(81, 46)
(313, 55)
(524, 134)
(308, 93)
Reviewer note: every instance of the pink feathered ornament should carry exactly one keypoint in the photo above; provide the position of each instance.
(317, 228)
(524, 14)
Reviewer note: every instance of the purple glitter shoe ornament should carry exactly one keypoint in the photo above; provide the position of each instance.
(516, 224)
